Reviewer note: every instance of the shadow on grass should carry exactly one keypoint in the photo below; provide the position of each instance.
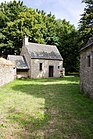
(67, 113)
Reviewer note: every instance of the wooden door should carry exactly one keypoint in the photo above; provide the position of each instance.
(51, 71)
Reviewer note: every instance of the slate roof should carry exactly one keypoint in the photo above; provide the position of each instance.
(19, 61)
(42, 51)
(89, 43)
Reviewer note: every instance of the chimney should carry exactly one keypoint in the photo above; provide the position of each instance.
(25, 41)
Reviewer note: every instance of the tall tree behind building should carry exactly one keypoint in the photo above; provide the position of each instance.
(86, 22)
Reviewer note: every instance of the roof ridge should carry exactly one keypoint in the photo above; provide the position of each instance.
(42, 44)
(88, 44)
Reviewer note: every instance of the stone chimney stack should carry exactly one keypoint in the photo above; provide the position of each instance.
(25, 41)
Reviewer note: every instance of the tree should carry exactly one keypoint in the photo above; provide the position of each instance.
(36, 24)
(17, 20)
(8, 15)
(86, 22)
(68, 45)
(51, 33)
(12, 9)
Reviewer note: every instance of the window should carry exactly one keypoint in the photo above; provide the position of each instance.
(88, 60)
(40, 66)
(58, 67)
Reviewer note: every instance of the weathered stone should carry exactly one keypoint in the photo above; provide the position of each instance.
(7, 71)
(86, 69)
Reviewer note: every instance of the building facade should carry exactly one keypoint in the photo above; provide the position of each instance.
(38, 60)
(20, 64)
(86, 68)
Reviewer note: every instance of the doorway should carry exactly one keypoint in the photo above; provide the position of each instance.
(51, 71)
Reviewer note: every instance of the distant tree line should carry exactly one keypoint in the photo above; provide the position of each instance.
(17, 20)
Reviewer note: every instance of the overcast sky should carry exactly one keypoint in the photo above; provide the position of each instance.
(63, 9)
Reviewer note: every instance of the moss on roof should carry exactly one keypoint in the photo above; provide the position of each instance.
(43, 51)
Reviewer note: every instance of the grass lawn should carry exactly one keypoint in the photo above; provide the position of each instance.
(45, 109)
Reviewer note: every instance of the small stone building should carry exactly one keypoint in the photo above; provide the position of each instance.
(20, 64)
(86, 68)
(7, 71)
(41, 61)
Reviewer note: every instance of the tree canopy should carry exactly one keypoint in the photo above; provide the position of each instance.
(17, 20)
(86, 22)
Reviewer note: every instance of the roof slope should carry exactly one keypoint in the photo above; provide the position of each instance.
(89, 43)
(19, 61)
(43, 51)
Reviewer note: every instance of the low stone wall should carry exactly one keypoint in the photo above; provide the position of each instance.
(7, 72)
(22, 74)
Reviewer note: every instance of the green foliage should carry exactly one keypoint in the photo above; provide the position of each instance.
(17, 20)
(68, 45)
(86, 22)
(3, 20)
(12, 8)
(50, 108)
(8, 15)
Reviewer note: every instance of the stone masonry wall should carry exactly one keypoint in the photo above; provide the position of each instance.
(86, 72)
(22, 74)
(24, 52)
(7, 74)
(36, 73)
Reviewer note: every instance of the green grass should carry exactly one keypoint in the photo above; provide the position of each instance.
(45, 109)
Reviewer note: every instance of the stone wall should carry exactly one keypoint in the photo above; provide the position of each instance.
(33, 65)
(7, 74)
(22, 74)
(36, 73)
(86, 71)
(24, 52)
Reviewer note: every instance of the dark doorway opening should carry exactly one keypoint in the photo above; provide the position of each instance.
(51, 71)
